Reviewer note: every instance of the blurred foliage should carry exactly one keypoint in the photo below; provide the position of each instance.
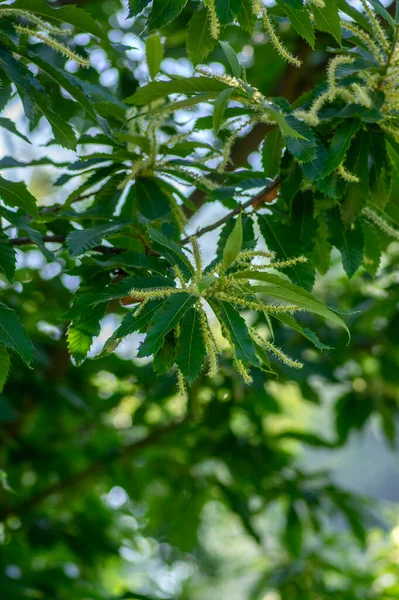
(113, 484)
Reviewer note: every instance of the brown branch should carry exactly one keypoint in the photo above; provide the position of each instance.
(90, 470)
(266, 196)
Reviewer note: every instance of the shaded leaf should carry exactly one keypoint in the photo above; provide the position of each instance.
(164, 320)
(190, 348)
(13, 334)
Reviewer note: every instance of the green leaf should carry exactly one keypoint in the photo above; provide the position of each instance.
(64, 80)
(231, 59)
(200, 42)
(281, 121)
(272, 150)
(307, 333)
(10, 126)
(137, 6)
(233, 245)
(226, 10)
(5, 363)
(278, 287)
(164, 359)
(380, 169)
(321, 254)
(291, 177)
(356, 194)
(190, 85)
(293, 239)
(7, 257)
(348, 241)
(62, 131)
(246, 17)
(154, 54)
(340, 144)
(293, 531)
(300, 21)
(219, 108)
(172, 252)
(372, 247)
(355, 14)
(81, 332)
(152, 202)
(79, 241)
(164, 320)
(327, 19)
(303, 148)
(190, 348)
(164, 11)
(131, 324)
(80, 19)
(13, 334)
(230, 318)
(15, 194)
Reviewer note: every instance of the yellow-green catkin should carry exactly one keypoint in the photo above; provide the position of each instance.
(34, 19)
(58, 46)
(347, 175)
(214, 25)
(197, 259)
(380, 222)
(209, 343)
(294, 364)
(153, 293)
(180, 380)
(336, 62)
(179, 276)
(375, 24)
(258, 8)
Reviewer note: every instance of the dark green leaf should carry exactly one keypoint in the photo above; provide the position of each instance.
(190, 348)
(200, 42)
(237, 330)
(152, 202)
(304, 148)
(5, 364)
(82, 331)
(13, 334)
(164, 320)
(7, 257)
(340, 144)
(300, 21)
(137, 6)
(79, 241)
(190, 85)
(233, 245)
(271, 152)
(219, 108)
(278, 287)
(231, 59)
(226, 10)
(131, 324)
(348, 241)
(293, 531)
(327, 19)
(172, 252)
(15, 194)
(164, 11)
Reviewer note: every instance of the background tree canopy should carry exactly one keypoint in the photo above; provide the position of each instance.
(199, 327)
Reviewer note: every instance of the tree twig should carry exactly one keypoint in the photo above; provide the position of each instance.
(265, 196)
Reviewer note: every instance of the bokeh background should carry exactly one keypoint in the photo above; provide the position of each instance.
(287, 489)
